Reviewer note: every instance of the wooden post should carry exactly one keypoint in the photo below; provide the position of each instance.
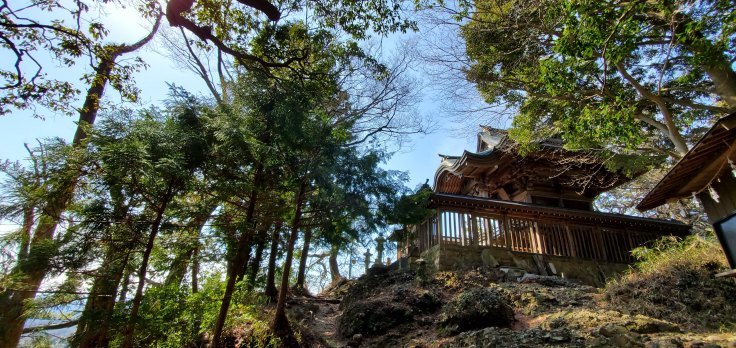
(537, 238)
(475, 236)
(506, 230)
(598, 240)
(461, 228)
(439, 227)
(631, 246)
(571, 241)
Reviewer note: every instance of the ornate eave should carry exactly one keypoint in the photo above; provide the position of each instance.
(500, 164)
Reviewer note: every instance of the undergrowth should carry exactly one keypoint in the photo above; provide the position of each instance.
(675, 280)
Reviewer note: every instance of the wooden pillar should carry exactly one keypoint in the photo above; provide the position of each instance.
(537, 239)
(631, 246)
(461, 228)
(422, 234)
(439, 227)
(475, 236)
(598, 242)
(571, 241)
(506, 230)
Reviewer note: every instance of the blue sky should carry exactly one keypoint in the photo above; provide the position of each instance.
(418, 156)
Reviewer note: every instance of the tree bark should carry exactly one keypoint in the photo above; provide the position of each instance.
(335, 275)
(25, 240)
(11, 302)
(126, 283)
(91, 106)
(130, 329)
(301, 275)
(242, 266)
(34, 269)
(271, 292)
(197, 322)
(94, 324)
(280, 324)
(255, 265)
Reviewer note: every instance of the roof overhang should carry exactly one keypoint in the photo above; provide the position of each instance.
(705, 162)
(449, 176)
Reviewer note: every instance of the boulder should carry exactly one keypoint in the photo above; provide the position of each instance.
(372, 317)
(476, 309)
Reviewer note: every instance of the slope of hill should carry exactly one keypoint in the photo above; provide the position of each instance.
(675, 303)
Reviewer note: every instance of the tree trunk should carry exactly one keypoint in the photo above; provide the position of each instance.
(130, 329)
(91, 106)
(33, 269)
(25, 240)
(271, 292)
(11, 302)
(197, 322)
(195, 270)
(94, 324)
(301, 274)
(242, 266)
(126, 283)
(238, 260)
(181, 261)
(36, 265)
(280, 324)
(335, 275)
(255, 265)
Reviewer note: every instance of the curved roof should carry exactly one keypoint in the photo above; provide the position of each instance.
(496, 153)
(452, 169)
(449, 175)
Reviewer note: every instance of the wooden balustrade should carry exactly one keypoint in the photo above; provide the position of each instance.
(521, 227)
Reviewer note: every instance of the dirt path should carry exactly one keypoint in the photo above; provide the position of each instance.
(319, 316)
(325, 323)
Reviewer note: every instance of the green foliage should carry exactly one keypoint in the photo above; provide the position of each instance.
(34, 31)
(602, 75)
(174, 316)
(39, 341)
(411, 209)
(213, 176)
(670, 251)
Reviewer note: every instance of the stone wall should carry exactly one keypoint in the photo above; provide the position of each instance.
(454, 257)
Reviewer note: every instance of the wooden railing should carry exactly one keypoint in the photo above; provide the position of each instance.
(520, 227)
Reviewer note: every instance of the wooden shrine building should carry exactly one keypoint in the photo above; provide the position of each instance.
(495, 207)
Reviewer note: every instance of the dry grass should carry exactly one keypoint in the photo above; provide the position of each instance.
(675, 281)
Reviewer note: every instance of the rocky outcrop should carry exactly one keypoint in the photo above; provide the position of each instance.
(475, 309)
(381, 301)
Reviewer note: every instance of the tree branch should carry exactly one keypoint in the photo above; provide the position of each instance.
(202, 70)
(63, 325)
(672, 132)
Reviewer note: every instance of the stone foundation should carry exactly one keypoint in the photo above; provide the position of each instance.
(455, 257)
